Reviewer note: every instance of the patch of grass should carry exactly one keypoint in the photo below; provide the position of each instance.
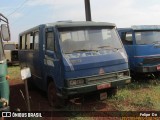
(156, 97)
(122, 95)
(142, 101)
(137, 96)
(14, 74)
(121, 100)
(138, 85)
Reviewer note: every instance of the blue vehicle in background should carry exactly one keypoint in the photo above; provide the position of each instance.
(142, 44)
(72, 58)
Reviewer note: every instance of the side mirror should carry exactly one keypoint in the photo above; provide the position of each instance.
(5, 32)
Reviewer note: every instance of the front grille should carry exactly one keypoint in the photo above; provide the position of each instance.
(154, 60)
(105, 77)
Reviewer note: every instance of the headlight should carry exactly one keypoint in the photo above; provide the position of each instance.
(72, 82)
(76, 82)
(120, 75)
(4, 104)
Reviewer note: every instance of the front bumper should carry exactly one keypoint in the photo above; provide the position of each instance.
(147, 69)
(94, 87)
(5, 109)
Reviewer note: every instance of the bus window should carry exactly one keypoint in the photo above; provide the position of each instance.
(29, 41)
(23, 42)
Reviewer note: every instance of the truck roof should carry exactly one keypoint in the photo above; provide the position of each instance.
(142, 27)
(79, 23)
(72, 24)
(145, 27)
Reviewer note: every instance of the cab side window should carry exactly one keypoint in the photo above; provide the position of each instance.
(50, 41)
(127, 38)
(36, 40)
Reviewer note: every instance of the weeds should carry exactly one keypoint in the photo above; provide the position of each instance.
(14, 72)
(137, 96)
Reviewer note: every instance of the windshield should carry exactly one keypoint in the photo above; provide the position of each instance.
(9, 47)
(89, 39)
(147, 37)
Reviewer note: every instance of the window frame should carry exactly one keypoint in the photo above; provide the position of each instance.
(124, 39)
(36, 47)
(49, 30)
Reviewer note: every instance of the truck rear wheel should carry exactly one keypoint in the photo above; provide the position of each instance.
(52, 96)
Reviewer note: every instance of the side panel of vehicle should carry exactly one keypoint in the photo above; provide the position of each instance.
(43, 56)
(52, 58)
(31, 54)
(4, 87)
(128, 40)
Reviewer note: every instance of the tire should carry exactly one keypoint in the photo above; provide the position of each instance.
(52, 96)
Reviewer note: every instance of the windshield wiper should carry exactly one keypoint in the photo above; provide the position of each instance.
(84, 50)
(108, 47)
(105, 47)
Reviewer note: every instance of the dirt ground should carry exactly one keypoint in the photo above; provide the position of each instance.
(39, 102)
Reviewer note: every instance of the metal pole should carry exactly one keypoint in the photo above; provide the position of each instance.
(27, 95)
(88, 10)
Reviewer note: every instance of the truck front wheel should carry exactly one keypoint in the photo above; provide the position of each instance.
(52, 96)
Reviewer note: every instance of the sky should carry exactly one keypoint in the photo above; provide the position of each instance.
(25, 14)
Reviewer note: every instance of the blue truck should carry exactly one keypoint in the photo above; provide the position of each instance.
(142, 44)
(71, 58)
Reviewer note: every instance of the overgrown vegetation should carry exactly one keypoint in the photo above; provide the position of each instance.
(136, 96)
(14, 72)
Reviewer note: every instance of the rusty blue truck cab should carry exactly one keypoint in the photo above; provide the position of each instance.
(142, 45)
(70, 58)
